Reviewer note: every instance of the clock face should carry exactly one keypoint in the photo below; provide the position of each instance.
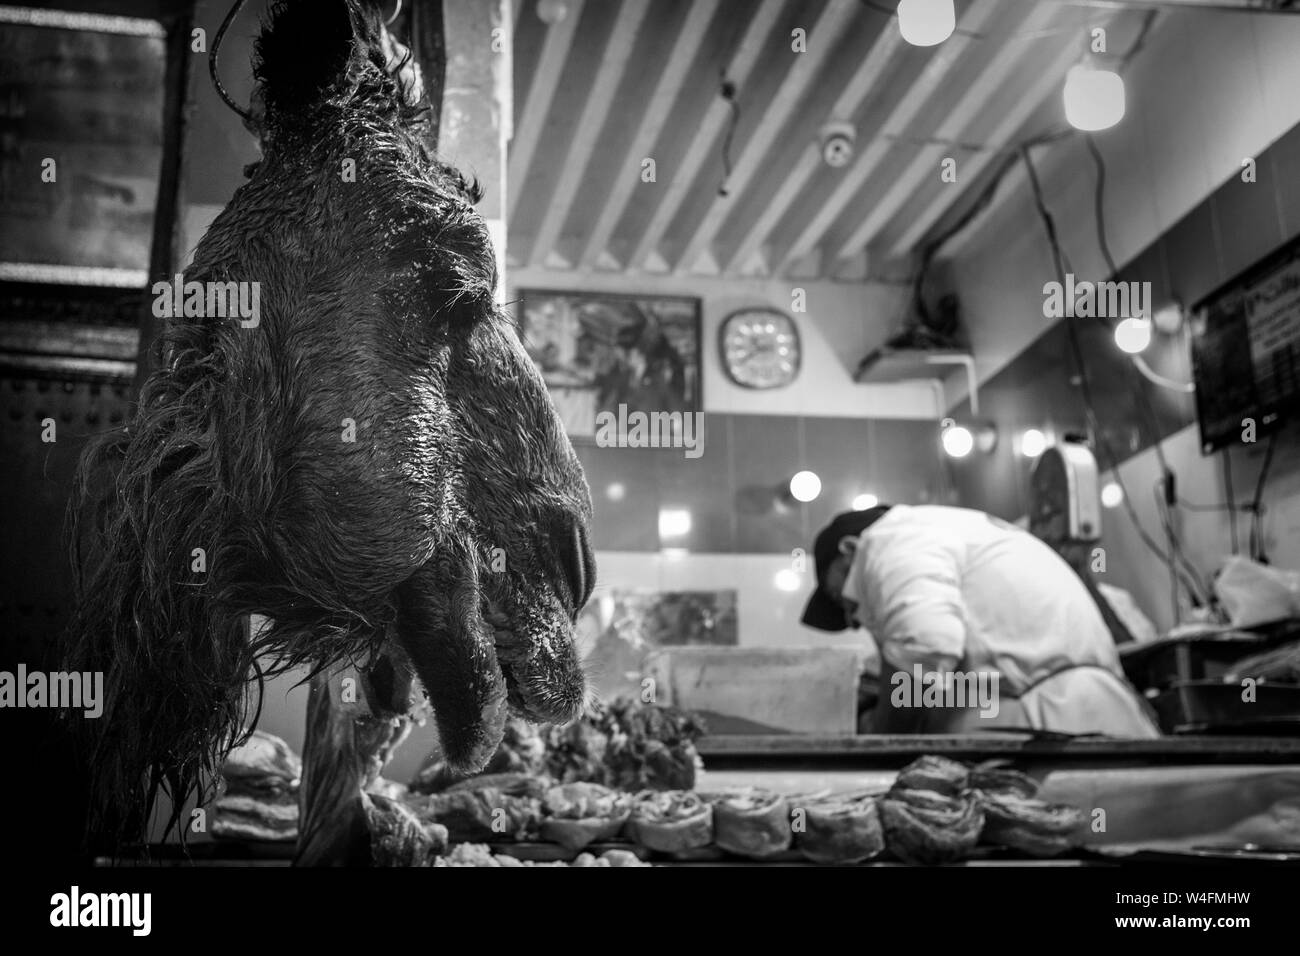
(760, 348)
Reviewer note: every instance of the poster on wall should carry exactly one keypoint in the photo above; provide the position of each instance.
(616, 354)
(620, 626)
(81, 134)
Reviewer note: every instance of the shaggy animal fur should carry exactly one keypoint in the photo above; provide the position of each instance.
(376, 307)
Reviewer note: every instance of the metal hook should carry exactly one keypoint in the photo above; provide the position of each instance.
(212, 60)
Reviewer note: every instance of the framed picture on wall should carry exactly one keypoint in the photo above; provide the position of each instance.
(620, 626)
(82, 122)
(607, 352)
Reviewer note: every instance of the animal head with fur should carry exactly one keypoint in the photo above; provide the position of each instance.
(376, 460)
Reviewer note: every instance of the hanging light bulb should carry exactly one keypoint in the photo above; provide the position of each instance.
(1032, 443)
(1094, 98)
(787, 580)
(958, 441)
(552, 12)
(1112, 495)
(926, 22)
(1133, 335)
(805, 486)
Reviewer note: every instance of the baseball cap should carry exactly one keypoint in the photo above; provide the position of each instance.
(823, 611)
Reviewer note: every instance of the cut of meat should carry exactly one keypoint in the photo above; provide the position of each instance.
(934, 773)
(245, 817)
(1002, 781)
(397, 836)
(753, 823)
(1029, 825)
(478, 815)
(923, 827)
(263, 763)
(581, 813)
(671, 821)
(840, 830)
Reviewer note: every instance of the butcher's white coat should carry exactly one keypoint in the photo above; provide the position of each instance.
(957, 590)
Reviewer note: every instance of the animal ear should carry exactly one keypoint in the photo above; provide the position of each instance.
(306, 51)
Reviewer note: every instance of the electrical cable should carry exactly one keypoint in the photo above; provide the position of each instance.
(982, 201)
(728, 92)
(1139, 42)
(1227, 488)
(1151, 375)
(1166, 518)
(1139, 364)
(1257, 552)
(1163, 514)
(1103, 445)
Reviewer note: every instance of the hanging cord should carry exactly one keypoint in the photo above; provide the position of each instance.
(1227, 489)
(728, 92)
(982, 201)
(1103, 445)
(1256, 527)
(1131, 369)
(215, 53)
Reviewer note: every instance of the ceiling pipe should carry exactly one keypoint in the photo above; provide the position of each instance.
(972, 387)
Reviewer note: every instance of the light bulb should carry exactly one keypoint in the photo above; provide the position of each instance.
(616, 492)
(787, 580)
(1133, 335)
(865, 502)
(926, 22)
(805, 486)
(674, 522)
(1032, 443)
(958, 441)
(1094, 98)
(1112, 495)
(552, 12)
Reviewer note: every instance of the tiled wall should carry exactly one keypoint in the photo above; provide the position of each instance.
(1235, 226)
(1232, 228)
(732, 491)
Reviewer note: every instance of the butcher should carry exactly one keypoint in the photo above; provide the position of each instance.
(979, 625)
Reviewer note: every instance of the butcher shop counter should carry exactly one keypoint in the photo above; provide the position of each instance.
(1170, 794)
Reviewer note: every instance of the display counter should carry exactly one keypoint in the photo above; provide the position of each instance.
(1179, 795)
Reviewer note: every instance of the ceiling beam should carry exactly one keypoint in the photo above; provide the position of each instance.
(532, 119)
(683, 176)
(809, 163)
(897, 124)
(822, 39)
(628, 171)
(1045, 84)
(591, 124)
(1001, 65)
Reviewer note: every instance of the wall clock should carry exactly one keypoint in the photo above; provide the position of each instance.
(759, 348)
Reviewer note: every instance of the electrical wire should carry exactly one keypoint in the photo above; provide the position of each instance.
(1257, 552)
(1102, 443)
(1227, 488)
(728, 93)
(1185, 388)
(982, 201)
(1144, 31)
(1162, 513)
